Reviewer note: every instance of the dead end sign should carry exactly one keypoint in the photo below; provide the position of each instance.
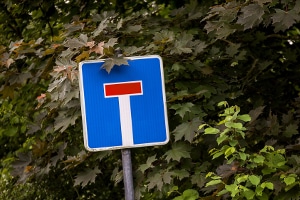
(125, 108)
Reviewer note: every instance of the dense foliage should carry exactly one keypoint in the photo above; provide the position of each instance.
(232, 83)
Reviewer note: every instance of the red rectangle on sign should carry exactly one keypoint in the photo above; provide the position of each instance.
(125, 88)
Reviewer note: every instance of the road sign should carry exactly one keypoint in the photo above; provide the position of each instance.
(124, 108)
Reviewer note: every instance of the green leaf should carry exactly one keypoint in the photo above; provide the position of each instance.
(259, 159)
(268, 185)
(233, 189)
(249, 194)
(190, 194)
(217, 154)
(229, 151)
(242, 178)
(243, 156)
(222, 138)
(234, 125)
(179, 150)
(213, 182)
(251, 16)
(255, 180)
(211, 130)
(87, 176)
(223, 103)
(245, 118)
(178, 198)
(12, 131)
(202, 126)
(289, 180)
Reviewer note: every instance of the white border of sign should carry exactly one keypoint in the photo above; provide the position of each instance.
(83, 112)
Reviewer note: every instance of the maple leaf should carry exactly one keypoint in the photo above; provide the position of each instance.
(251, 15)
(183, 44)
(24, 159)
(63, 121)
(98, 48)
(187, 130)
(181, 174)
(77, 42)
(131, 50)
(222, 29)
(87, 176)
(179, 150)
(134, 28)
(167, 177)
(164, 36)
(20, 78)
(101, 27)
(200, 47)
(198, 179)
(283, 20)
(291, 130)
(9, 62)
(155, 180)
(90, 44)
(111, 42)
(111, 62)
(83, 56)
(255, 113)
(182, 109)
(262, 2)
(150, 160)
(60, 154)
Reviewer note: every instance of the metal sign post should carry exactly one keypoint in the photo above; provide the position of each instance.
(127, 174)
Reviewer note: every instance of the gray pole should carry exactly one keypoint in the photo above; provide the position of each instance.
(127, 174)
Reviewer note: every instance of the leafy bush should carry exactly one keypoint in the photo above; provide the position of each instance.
(244, 52)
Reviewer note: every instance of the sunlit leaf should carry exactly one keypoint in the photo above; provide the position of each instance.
(255, 180)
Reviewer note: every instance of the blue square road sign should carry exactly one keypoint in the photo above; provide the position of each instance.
(125, 108)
